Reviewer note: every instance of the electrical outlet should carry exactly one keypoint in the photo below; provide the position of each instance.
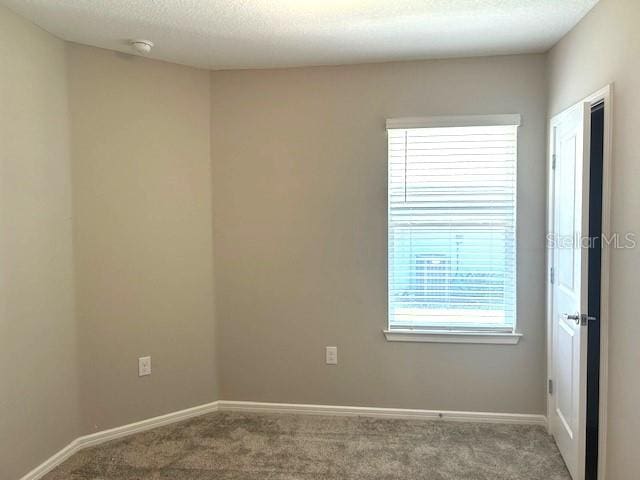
(144, 366)
(331, 355)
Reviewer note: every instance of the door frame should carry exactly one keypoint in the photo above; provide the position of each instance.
(604, 95)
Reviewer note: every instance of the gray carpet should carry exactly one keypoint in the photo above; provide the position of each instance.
(243, 446)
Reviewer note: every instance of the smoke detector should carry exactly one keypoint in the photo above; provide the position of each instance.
(143, 47)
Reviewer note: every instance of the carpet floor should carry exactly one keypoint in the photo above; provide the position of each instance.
(248, 446)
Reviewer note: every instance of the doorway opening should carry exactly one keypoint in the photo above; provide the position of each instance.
(578, 298)
(596, 158)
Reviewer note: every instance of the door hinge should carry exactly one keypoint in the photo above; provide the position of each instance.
(550, 387)
(552, 275)
(553, 161)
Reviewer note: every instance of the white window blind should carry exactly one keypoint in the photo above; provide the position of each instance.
(452, 226)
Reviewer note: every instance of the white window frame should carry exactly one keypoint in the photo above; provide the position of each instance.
(443, 335)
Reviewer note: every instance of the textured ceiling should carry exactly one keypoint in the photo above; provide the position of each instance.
(225, 34)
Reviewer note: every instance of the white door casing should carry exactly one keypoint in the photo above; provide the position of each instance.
(569, 210)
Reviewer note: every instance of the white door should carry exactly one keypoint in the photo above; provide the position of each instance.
(569, 221)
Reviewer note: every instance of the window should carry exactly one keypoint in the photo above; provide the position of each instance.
(452, 225)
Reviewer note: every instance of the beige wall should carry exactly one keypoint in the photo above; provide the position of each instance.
(604, 48)
(143, 235)
(294, 161)
(299, 183)
(38, 367)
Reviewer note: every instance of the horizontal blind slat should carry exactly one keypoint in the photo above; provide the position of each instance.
(452, 226)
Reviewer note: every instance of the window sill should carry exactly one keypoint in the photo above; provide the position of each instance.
(435, 336)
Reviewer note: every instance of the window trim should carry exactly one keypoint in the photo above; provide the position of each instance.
(473, 335)
(452, 336)
(455, 121)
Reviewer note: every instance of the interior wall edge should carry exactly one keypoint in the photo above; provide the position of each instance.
(39, 411)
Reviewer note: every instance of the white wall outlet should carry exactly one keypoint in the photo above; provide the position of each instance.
(331, 355)
(144, 366)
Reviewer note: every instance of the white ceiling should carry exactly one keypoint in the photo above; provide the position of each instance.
(225, 34)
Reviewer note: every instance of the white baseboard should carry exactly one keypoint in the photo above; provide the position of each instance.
(301, 409)
(143, 425)
(115, 433)
(52, 462)
(400, 413)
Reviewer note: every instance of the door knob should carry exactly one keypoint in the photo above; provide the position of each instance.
(575, 317)
(584, 319)
(579, 319)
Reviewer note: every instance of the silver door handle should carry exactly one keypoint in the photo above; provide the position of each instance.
(575, 317)
(579, 319)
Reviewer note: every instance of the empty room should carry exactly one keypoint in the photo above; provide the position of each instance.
(319, 240)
